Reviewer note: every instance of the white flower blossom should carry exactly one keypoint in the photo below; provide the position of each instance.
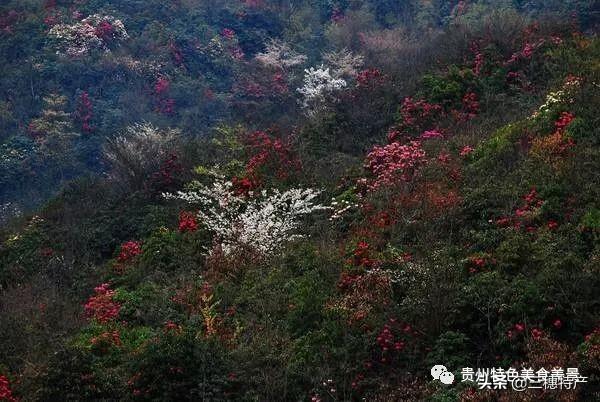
(560, 97)
(279, 55)
(264, 221)
(319, 88)
(344, 63)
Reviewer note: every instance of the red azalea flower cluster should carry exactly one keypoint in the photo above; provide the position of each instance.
(387, 341)
(5, 390)
(244, 185)
(478, 59)
(394, 162)
(416, 114)
(518, 328)
(524, 215)
(269, 151)
(564, 120)
(228, 33)
(391, 339)
(164, 104)
(537, 333)
(429, 134)
(347, 280)
(129, 251)
(104, 30)
(527, 51)
(187, 222)
(162, 85)
(466, 150)
(476, 263)
(360, 255)
(470, 108)
(101, 306)
(369, 77)
(84, 112)
(170, 170)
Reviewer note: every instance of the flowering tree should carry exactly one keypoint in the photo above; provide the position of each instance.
(101, 306)
(394, 162)
(344, 63)
(94, 32)
(263, 222)
(138, 152)
(280, 56)
(319, 87)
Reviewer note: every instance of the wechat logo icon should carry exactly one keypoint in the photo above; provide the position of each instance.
(440, 372)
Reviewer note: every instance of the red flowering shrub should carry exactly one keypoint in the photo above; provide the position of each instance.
(360, 255)
(470, 108)
(369, 77)
(101, 307)
(478, 59)
(162, 85)
(419, 114)
(164, 104)
(466, 150)
(477, 263)
(429, 134)
(84, 112)
(564, 120)
(104, 30)
(394, 162)
(169, 174)
(228, 33)
(129, 251)
(392, 340)
(6, 391)
(244, 185)
(187, 222)
(268, 154)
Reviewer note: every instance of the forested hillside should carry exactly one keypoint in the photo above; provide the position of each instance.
(318, 200)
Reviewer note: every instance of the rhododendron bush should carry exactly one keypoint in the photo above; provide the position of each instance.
(394, 163)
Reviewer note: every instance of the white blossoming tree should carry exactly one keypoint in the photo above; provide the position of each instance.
(344, 63)
(319, 89)
(138, 152)
(263, 221)
(94, 32)
(279, 55)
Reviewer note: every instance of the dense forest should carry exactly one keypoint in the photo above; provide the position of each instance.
(285, 200)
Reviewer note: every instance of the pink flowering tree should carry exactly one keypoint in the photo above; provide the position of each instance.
(394, 163)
